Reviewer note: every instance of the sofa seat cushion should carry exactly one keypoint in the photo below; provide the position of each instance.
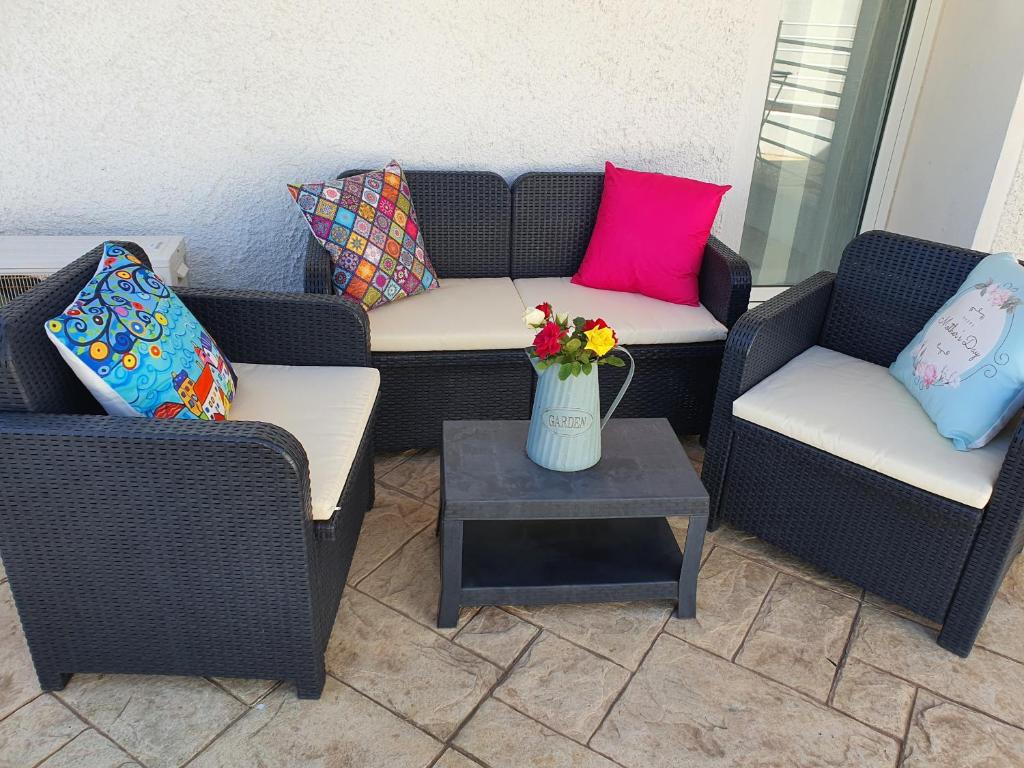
(636, 319)
(857, 411)
(326, 409)
(462, 314)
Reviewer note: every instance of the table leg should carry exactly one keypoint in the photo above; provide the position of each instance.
(687, 606)
(451, 573)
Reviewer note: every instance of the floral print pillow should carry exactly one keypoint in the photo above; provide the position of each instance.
(966, 366)
(138, 349)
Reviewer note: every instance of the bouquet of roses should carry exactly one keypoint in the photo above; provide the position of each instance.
(574, 347)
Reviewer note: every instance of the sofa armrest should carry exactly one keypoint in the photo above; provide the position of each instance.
(283, 328)
(760, 343)
(996, 545)
(724, 282)
(317, 268)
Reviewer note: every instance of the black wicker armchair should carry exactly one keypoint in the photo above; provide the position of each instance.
(170, 546)
(938, 557)
(474, 227)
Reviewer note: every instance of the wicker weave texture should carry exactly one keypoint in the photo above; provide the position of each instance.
(891, 284)
(941, 559)
(165, 546)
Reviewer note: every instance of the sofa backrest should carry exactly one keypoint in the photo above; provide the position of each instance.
(886, 288)
(464, 216)
(553, 215)
(33, 376)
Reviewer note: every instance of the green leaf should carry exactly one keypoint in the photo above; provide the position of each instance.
(587, 368)
(578, 322)
(614, 362)
(572, 345)
(576, 368)
(563, 371)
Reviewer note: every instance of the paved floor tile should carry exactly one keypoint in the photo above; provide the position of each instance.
(163, 721)
(18, 681)
(385, 462)
(394, 519)
(405, 666)
(679, 526)
(730, 591)
(504, 738)
(874, 697)
(872, 599)
(90, 750)
(1004, 628)
(754, 548)
(984, 680)
(946, 735)
(35, 731)
(342, 729)
(496, 635)
(248, 691)
(799, 635)
(419, 475)
(563, 686)
(621, 631)
(453, 759)
(687, 707)
(410, 582)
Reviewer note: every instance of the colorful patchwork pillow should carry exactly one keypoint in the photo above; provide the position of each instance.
(368, 224)
(966, 366)
(138, 349)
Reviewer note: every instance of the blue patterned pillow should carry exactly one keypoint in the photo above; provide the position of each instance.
(966, 366)
(138, 349)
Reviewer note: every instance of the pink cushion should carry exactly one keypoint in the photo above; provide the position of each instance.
(650, 234)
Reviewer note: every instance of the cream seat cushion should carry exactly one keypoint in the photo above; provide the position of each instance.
(463, 314)
(326, 409)
(636, 319)
(857, 411)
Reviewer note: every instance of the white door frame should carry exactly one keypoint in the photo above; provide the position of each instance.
(909, 78)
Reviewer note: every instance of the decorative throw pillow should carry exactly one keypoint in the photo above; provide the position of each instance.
(138, 349)
(368, 224)
(650, 234)
(966, 366)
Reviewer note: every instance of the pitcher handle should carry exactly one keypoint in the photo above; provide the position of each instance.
(625, 386)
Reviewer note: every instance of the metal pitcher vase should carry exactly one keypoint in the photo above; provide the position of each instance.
(565, 428)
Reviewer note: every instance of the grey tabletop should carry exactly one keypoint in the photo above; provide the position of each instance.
(643, 472)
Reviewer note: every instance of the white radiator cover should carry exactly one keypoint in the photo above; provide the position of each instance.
(41, 255)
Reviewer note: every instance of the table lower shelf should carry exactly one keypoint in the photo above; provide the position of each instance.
(506, 562)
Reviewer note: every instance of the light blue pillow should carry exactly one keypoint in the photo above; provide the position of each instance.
(138, 349)
(966, 366)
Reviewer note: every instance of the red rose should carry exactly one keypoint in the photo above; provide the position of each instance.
(547, 310)
(590, 325)
(549, 341)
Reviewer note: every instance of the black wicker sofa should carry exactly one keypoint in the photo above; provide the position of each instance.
(914, 538)
(477, 228)
(165, 546)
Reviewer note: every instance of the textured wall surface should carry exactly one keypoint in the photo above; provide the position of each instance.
(1010, 233)
(189, 118)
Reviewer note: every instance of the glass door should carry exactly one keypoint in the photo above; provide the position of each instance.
(831, 80)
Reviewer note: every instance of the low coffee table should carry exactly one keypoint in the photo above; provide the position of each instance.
(514, 533)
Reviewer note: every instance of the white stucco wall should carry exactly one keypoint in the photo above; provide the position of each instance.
(1010, 232)
(188, 118)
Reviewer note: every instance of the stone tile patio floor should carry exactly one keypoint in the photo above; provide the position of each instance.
(784, 666)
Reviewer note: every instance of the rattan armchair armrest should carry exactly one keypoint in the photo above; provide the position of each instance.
(317, 268)
(999, 540)
(724, 282)
(49, 462)
(762, 341)
(283, 328)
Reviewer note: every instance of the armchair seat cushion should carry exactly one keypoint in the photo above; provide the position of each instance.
(327, 409)
(636, 319)
(462, 314)
(857, 411)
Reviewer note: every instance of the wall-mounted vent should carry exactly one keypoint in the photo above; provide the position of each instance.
(15, 285)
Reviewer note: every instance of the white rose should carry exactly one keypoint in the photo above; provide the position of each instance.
(562, 319)
(534, 318)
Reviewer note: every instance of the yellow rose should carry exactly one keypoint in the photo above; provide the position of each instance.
(600, 341)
